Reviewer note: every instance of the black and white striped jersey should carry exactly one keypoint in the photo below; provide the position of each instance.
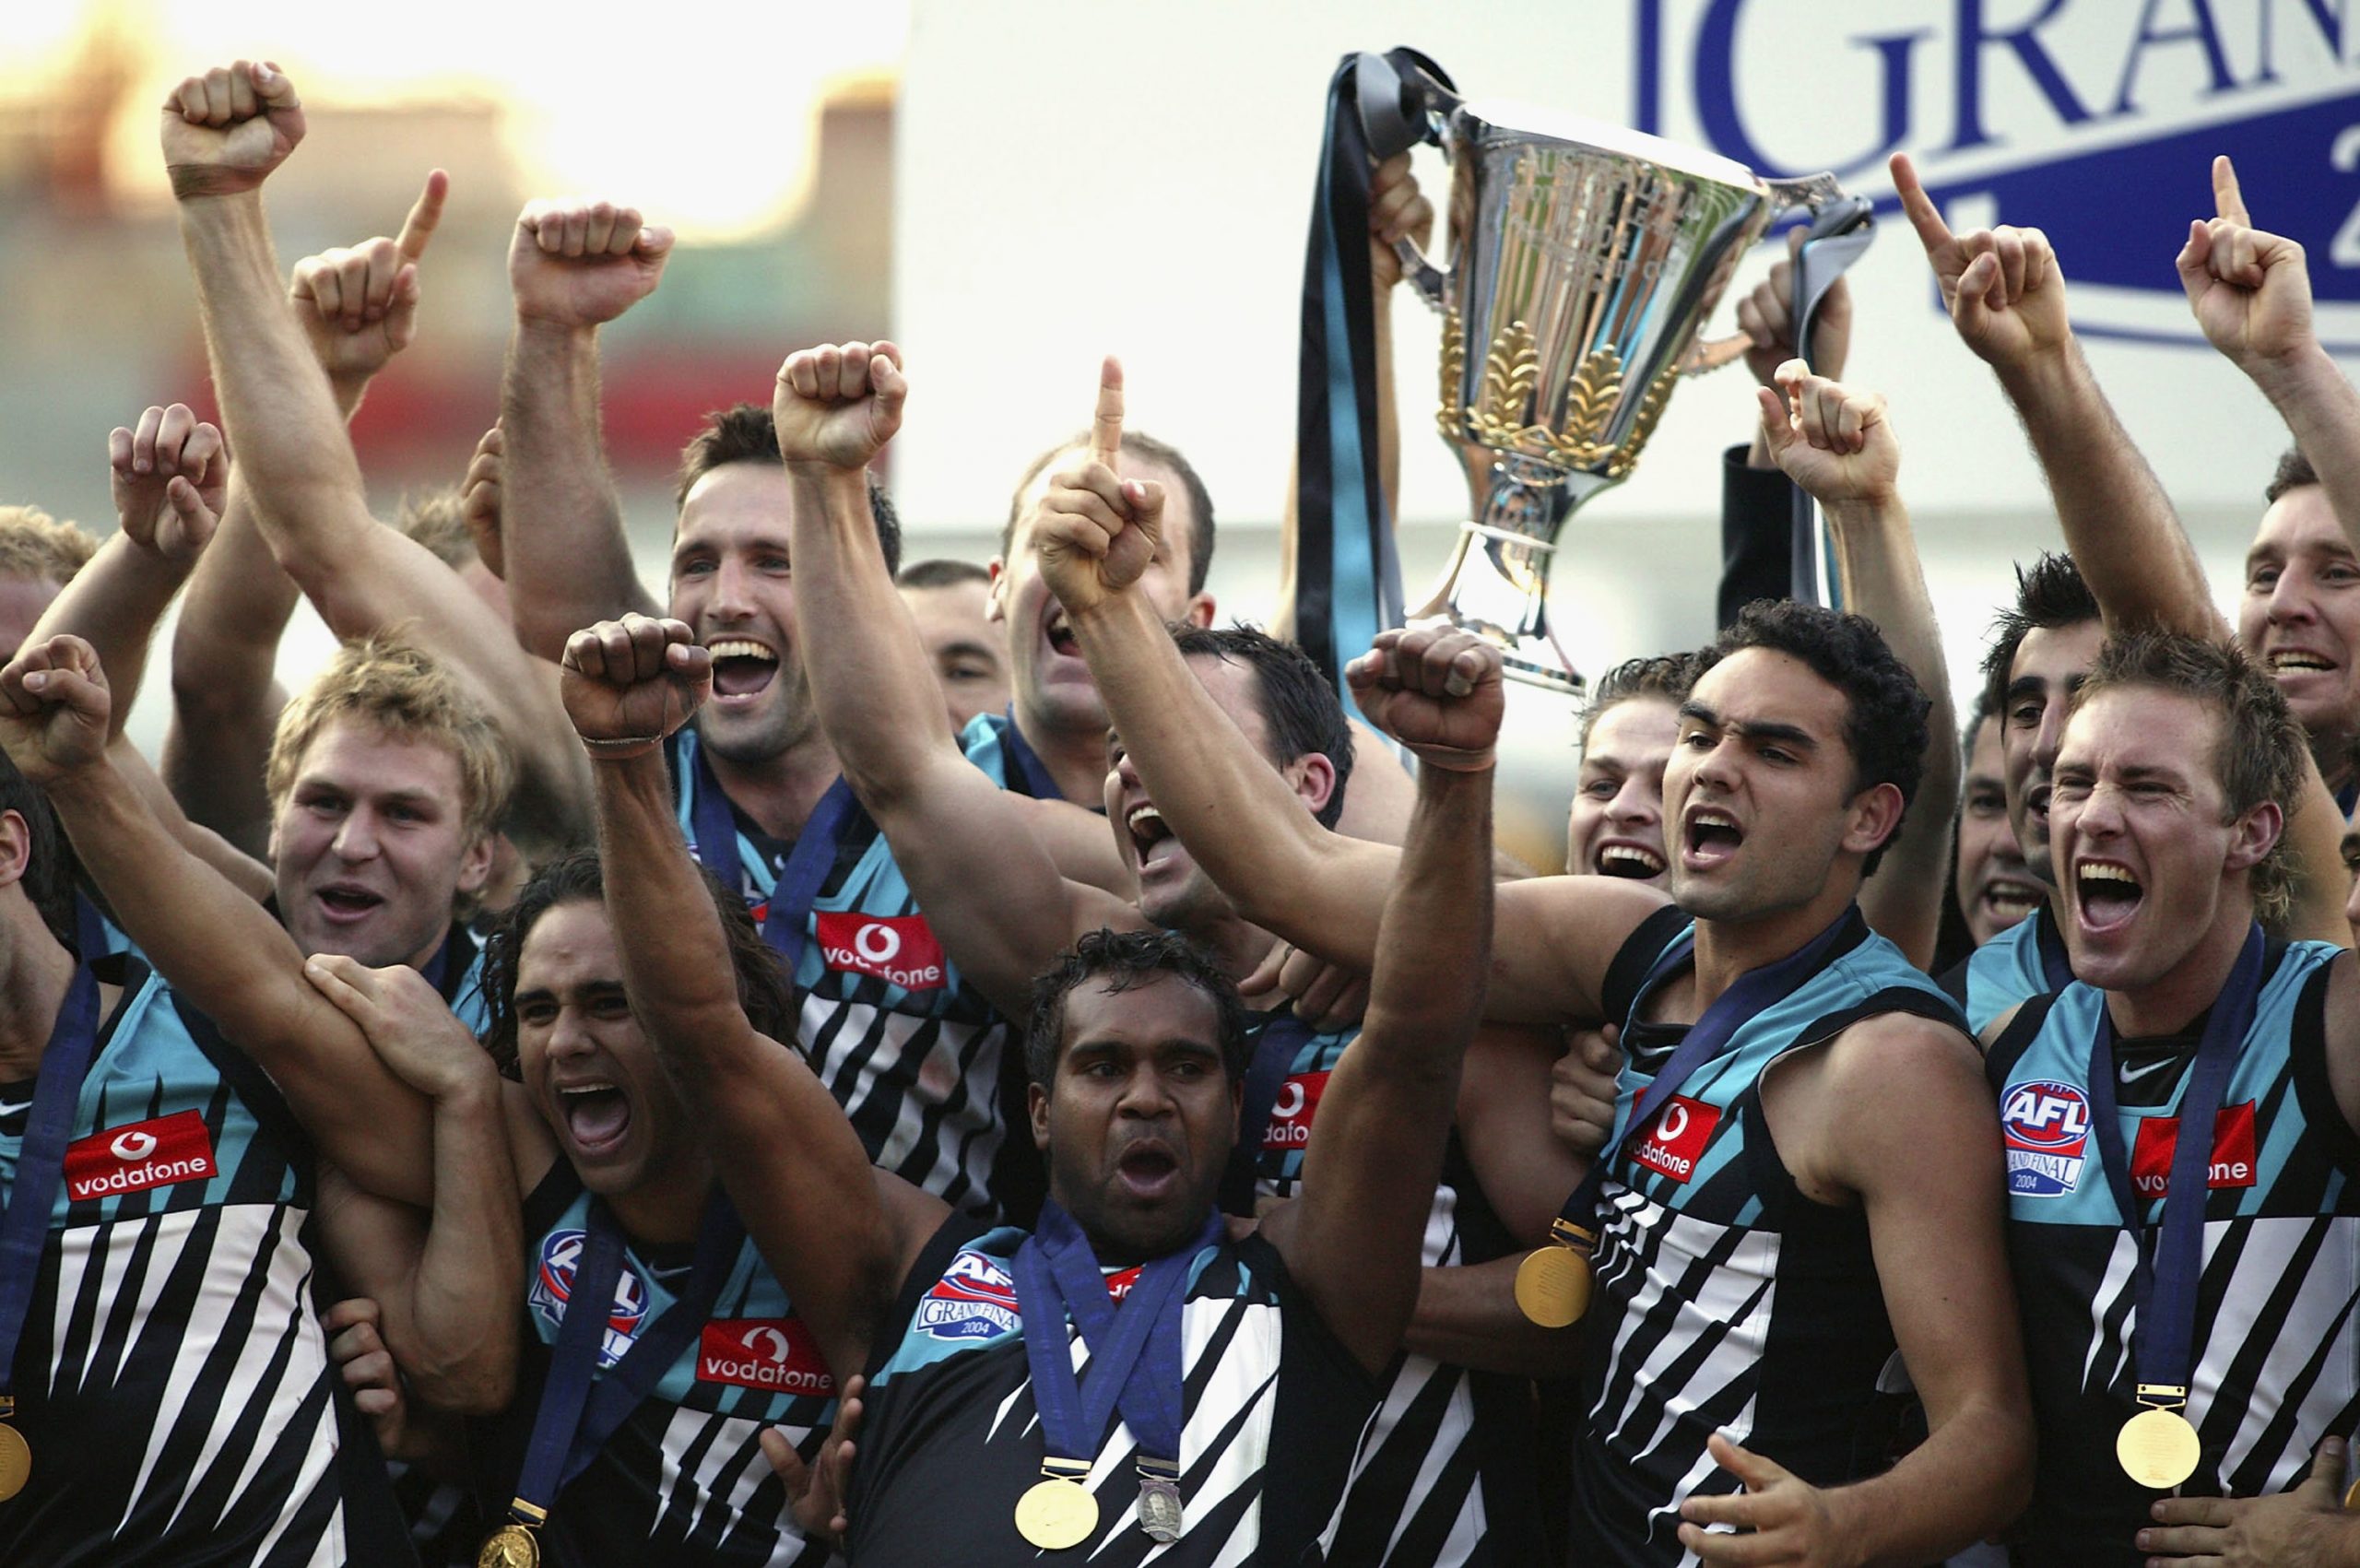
(173, 1378)
(1726, 1300)
(911, 1051)
(953, 1437)
(682, 1483)
(2277, 1334)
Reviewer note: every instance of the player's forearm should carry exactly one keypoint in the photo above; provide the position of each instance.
(225, 695)
(113, 604)
(568, 562)
(1222, 798)
(1466, 1316)
(281, 416)
(2322, 411)
(1967, 1482)
(1877, 556)
(462, 1350)
(2119, 524)
(675, 958)
(1434, 944)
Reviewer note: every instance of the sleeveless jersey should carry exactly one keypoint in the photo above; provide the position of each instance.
(2012, 968)
(909, 1049)
(172, 1377)
(1441, 1476)
(1726, 1300)
(682, 1483)
(2277, 1334)
(993, 743)
(951, 1436)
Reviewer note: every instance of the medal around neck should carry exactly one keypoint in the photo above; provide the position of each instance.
(16, 1461)
(511, 1546)
(1552, 1284)
(1159, 1508)
(2158, 1448)
(1056, 1513)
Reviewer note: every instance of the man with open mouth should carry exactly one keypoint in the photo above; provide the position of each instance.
(1614, 827)
(1227, 1380)
(1994, 887)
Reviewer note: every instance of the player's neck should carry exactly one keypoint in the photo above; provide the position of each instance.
(1076, 758)
(668, 1207)
(35, 971)
(1234, 946)
(1728, 949)
(2173, 1000)
(779, 792)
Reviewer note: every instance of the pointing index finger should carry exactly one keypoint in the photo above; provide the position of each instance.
(1924, 217)
(425, 216)
(1106, 425)
(2227, 200)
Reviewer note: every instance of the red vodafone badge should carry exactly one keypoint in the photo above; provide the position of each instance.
(1673, 1145)
(171, 1149)
(897, 949)
(776, 1354)
(1291, 1110)
(2232, 1164)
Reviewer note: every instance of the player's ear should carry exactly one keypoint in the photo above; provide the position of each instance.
(16, 848)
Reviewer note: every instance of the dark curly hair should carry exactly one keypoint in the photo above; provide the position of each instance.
(1664, 675)
(764, 988)
(744, 432)
(1120, 960)
(1884, 719)
(2049, 594)
(1299, 707)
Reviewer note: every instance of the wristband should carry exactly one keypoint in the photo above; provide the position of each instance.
(621, 748)
(1454, 760)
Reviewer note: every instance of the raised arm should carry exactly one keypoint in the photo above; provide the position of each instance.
(309, 500)
(988, 888)
(574, 266)
(789, 1158)
(446, 1284)
(1838, 444)
(1353, 1237)
(218, 946)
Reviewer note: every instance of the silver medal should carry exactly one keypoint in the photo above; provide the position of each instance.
(1160, 1509)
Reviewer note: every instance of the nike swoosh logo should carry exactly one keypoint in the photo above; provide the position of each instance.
(2127, 1074)
(13, 1107)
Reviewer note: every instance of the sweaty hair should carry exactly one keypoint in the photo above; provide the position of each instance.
(744, 433)
(2260, 754)
(1118, 961)
(34, 544)
(1884, 709)
(2049, 595)
(1138, 448)
(763, 990)
(405, 694)
(1666, 677)
(942, 573)
(435, 520)
(2293, 472)
(1299, 707)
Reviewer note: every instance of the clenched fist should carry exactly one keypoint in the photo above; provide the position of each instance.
(1434, 689)
(225, 131)
(628, 684)
(578, 263)
(837, 405)
(170, 478)
(53, 709)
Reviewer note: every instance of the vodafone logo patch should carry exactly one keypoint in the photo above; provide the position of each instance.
(898, 950)
(2232, 1164)
(777, 1354)
(1292, 1110)
(146, 1154)
(1673, 1145)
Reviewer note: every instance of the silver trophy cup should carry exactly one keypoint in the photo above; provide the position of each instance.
(1586, 260)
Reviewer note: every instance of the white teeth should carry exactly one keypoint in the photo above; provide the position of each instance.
(2098, 871)
(1713, 819)
(740, 648)
(2297, 658)
(1634, 854)
(1143, 815)
(586, 1088)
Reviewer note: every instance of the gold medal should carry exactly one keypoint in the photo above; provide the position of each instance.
(1056, 1514)
(16, 1461)
(511, 1546)
(1552, 1286)
(2352, 1499)
(2158, 1449)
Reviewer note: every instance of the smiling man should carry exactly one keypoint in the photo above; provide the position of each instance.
(1614, 827)
(1996, 889)
(2169, 812)
(2300, 613)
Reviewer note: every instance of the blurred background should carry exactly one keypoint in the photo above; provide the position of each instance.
(1011, 189)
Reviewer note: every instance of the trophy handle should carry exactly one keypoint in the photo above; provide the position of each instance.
(1406, 99)
(1847, 220)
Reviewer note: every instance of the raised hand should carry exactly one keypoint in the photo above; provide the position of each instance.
(408, 1024)
(1583, 1088)
(628, 684)
(838, 405)
(364, 1363)
(2002, 287)
(1767, 315)
(816, 1493)
(358, 304)
(2306, 1527)
(2250, 291)
(170, 478)
(1434, 689)
(1834, 441)
(1788, 1518)
(226, 130)
(1098, 531)
(1396, 210)
(53, 709)
(479, 499)
(578, 263)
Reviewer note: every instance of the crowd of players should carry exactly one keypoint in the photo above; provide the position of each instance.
(883, 1075)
